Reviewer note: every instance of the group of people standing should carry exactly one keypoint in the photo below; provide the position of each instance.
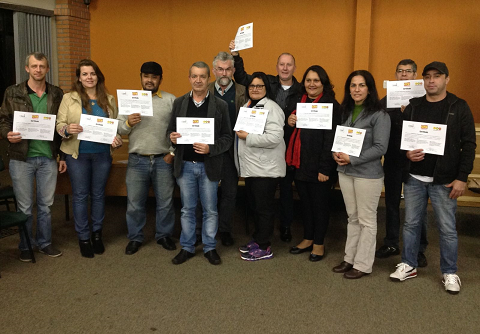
(280, 156)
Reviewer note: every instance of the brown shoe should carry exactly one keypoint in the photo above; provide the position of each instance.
(354, 274)
(342, 267)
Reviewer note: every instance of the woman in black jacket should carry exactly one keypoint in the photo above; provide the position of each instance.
(309, 152)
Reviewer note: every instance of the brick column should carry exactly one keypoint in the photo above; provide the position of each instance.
(73, 38)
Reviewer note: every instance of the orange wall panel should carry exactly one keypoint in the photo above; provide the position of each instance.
(427, 31)
(124, 34)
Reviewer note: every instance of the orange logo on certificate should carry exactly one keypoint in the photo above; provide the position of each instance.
(350, 131)
(99, 120)
(34, 116)
(254, 112)
(195, 121)
(134, 93)
(424, 127)
(314, 107)
(406, 84)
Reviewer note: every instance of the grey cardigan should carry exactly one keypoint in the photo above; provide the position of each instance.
(369, 165)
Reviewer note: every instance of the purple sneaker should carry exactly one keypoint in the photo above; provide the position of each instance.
(257, 254)
(248, 247)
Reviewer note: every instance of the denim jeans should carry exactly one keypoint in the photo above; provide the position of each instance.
(393, 191)
(23, 173)
(141, 172)
(416, 200)
(194, 184)
(88, 176)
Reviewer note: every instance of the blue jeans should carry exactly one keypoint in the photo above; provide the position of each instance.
(23, 173)
(416, 199)
(88, 176)
(141, 172)
(194, 183)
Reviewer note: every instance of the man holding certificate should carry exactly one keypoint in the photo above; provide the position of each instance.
(33, 159)
(393, 160)
(442, 178)
(285, 88)
(199, 117)
(150, 161)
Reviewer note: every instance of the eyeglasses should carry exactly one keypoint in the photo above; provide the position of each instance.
(224, 70)
(405, 71)
(255, 87)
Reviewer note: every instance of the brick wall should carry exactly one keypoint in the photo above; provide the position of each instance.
(73, 38)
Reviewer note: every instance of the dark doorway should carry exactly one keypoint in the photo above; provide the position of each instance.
(7, 51)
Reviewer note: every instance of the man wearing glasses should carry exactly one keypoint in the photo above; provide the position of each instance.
(234, 94)
(393, 160)
(284, 88)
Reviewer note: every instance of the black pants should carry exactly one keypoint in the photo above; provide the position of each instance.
(286, 198)
(314, 200)
(393, 192)
(261, 195)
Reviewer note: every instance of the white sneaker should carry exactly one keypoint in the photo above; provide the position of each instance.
(403, 272)
(452, 283)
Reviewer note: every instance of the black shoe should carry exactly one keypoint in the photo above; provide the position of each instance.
(25, 256)
(86, 248)
(213, 257)
(285, 234)
(97, 243)
(421, 260)
(315, 257)
(198, 240)
(227, 239)
(182, 257)
(167, 243)
(132, 247)
(386, 251)
(296, 250)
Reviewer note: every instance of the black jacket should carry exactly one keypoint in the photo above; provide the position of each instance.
(316, 149)
(274, 81)
(457, 160)
(16, 99)
(217, 109)
(394, 156)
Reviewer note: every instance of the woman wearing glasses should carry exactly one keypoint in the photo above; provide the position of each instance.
(260, 159)
(310, 152)
(361, 178)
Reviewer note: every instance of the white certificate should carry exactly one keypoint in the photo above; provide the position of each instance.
(251, 120)
(399, 93)
(134, 101)
(427, 136)
(98, 129)
(348, 140)
(244, 37)
(34, 125)
(314, 115)
(196, 130)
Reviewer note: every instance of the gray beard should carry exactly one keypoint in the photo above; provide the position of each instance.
(224, 81)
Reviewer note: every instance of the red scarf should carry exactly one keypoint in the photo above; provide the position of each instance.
(293, 152)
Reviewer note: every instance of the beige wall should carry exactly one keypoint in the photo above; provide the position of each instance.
(43, 4)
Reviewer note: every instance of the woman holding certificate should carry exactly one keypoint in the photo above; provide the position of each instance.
(310, 152)
(88, 163)
(361, 177)
(260, 159)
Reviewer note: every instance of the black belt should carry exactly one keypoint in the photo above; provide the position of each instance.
(150, 155)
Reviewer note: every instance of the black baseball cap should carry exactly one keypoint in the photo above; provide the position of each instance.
(151, 67)
(436, 65)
